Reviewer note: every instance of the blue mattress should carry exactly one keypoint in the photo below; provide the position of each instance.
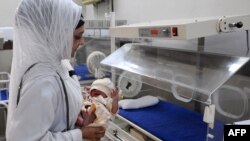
(4, 94)
(171, 122)
(83, 72)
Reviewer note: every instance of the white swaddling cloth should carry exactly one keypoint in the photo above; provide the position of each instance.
(103, 105)
(141, 102)
(102, 113)
(102, 109)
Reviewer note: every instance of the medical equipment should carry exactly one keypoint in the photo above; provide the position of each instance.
(130, 87)
(183, 29)
(93, 64)
(91, 45)
(190, 75)
(175, 90)
(231, 90)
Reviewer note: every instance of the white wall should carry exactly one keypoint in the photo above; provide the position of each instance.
(7, 11)
(5, 60)
(98, 11)
(146, 10)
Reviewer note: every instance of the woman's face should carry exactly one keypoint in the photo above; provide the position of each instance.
(78, 39)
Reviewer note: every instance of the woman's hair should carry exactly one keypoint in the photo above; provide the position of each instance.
(81, 22)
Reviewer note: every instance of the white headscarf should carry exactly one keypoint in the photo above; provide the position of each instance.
(43, 32)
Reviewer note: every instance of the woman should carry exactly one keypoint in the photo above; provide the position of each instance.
(46, 105)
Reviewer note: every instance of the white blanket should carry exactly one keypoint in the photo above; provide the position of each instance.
(141, 102)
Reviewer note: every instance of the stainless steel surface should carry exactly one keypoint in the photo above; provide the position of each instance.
(151, 137)
(176, 70)
(102, 24)
(116, 133)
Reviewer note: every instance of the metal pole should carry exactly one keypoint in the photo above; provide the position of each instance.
(113, 46)
(200, 48)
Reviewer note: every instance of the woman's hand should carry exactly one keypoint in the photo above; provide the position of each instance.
(93, 133)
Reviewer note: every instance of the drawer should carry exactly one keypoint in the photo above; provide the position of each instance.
(116, 133)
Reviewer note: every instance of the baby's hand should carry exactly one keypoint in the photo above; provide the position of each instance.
(115, 93)
(79, 121)
(86, 117)
(86, 89)
(89, 117)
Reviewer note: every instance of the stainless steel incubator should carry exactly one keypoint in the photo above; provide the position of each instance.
(199, 91)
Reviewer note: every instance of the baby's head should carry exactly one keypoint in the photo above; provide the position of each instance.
(103, 87)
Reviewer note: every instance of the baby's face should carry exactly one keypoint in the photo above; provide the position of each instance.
(95, 93)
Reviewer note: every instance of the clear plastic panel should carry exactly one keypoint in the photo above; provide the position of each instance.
(232, 100)
(188, 75)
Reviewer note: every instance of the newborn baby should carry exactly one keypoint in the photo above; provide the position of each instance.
(101, 98)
